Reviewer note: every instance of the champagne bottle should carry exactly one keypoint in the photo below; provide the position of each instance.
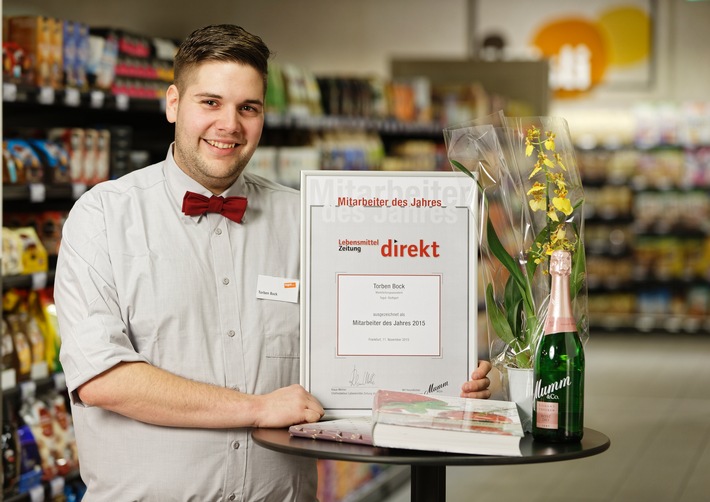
(558, 392)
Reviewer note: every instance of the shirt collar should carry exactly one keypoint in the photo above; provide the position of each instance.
(179, 182)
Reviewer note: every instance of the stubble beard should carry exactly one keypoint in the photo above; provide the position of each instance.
(217, 180)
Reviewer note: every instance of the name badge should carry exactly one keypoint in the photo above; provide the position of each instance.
(277, 288)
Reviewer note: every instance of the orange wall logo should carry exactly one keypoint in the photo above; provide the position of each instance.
(583, 52)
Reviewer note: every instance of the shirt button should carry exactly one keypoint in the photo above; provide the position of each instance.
(231, 333)
(225, 281)
(235, 445)
(232, 497)
(218, 231)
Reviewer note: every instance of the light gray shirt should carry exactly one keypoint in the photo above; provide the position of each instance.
(137, 280)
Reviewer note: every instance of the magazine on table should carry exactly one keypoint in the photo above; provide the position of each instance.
(426, 422)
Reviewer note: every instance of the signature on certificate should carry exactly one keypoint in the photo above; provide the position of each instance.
(360, 380)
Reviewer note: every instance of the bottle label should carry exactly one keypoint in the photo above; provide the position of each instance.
(560, 324)
(546, 415)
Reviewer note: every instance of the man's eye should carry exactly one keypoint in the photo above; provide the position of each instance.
(210, 102)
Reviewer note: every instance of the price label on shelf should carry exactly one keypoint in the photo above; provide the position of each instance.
(8, 379)
(60, 381)
(122, 102)
(56, 487)
(9, 92)
(38, 192)
(77, 189)
(72, 97)
(46, 95)
(39, 280)
(36, 493)
(97, 99)
(39, 370)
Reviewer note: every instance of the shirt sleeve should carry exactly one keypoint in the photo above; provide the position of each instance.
(93, 333)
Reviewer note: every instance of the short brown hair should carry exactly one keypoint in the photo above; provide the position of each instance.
(222, 42)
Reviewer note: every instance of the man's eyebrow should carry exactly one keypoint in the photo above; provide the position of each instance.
(207, 95)
(219, 96)
(254, 102)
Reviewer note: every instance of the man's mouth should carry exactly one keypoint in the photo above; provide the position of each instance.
(218, 144)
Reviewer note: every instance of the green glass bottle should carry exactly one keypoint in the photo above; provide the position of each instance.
(558, 391)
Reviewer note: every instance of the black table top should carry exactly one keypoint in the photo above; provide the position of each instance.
(280, 440)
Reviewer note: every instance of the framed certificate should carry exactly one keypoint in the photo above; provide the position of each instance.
(388, 285)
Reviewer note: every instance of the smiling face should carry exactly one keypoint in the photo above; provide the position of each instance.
(218, 115)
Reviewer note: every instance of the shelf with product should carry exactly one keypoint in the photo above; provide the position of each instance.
(647, 236)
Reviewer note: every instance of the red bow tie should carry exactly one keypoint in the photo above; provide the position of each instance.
(194, 204)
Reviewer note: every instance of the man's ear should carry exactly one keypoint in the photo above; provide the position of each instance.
(172, 97)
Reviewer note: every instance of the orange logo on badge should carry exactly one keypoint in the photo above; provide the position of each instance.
(289, 285)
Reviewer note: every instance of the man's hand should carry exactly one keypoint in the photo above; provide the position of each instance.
(287, 406)
(477, 387)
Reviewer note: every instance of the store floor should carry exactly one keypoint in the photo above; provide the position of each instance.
(651, 395)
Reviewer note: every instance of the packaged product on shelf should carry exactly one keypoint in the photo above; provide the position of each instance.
(17, 67)
(35, 414)
(11, 252)
(164, 50)
(264, 162)
(49, 229)
(30, 460)
(296, 91)
(103, 156)
(54, 159)
(42, 308)
(41, 39)
(12, 173)
(22, 349)
(26, 160)
(275, 100)
(76, 53)
(293, 160)
(91, 145)
(10, 450)
(72, 139)
(103, 54)
(40, 368)
(9, 358)
(33, 254)
(67, 458)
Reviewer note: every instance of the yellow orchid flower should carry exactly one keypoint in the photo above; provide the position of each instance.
(563, 205)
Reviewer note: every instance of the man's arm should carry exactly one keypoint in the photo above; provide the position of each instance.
(152, 395)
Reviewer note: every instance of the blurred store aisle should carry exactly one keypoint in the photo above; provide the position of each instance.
(651, 395)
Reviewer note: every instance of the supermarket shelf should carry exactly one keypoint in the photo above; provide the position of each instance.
(382, 486)
(329, 122)
(28, 96)
(650, 323)
(48, 490)
(34, 282)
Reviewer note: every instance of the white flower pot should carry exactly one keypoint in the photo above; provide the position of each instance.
(520, 391)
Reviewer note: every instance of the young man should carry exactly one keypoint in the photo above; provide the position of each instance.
(169, 356)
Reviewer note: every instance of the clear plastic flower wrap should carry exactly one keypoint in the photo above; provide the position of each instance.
(532, 203)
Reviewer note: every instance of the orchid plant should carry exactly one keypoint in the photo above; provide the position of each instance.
(517, 296)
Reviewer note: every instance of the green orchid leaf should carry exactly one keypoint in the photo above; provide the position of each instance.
(462, 168)
(513, 303)
(499, 252)
(523, 359)
(579, 267)
(497, 318)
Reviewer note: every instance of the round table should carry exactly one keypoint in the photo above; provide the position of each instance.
(428, 467)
